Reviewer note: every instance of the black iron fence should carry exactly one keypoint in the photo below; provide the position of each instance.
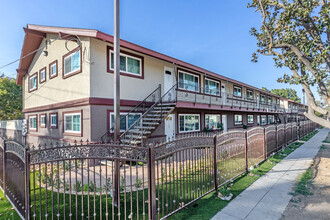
(109, 181)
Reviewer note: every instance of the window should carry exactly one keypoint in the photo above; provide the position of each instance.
(238, 119)
(72, 63)
(237, 91)
(263, 120)
(250, 119)
(33, 82)
(262, 98)
(42, 75)
(72, 123)
(249, 94)
(270, 119)
(125, 120)
(189, 122)
(277, 101)
(33, 122)
(289, 105)
(53, 69)
(128, 64)
(42, 120)
(269, 100)
(212, 87)
(212, 122)
(53, 120)
(188, 81)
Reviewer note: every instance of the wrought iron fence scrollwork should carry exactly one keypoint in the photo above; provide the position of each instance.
(89, 151)
(167, 148)
(16, 148)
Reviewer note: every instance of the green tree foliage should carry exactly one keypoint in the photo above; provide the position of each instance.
(296, 33)
(285, 93)
(10, 99)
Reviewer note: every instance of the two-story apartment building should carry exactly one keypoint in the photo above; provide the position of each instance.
(67, 83)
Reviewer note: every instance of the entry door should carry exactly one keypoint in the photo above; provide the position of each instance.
(168, 84)
(170, 126)
(224, 122)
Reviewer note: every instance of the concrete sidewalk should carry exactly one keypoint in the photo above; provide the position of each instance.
(268, 197)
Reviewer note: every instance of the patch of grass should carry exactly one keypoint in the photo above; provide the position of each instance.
(6, 210)
(309, 136)
(210, 205)
(304, 184)
(323, 147)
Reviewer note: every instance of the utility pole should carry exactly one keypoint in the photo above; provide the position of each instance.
(116, 45)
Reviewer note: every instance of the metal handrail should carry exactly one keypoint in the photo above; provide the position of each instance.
(146, 112)
(134, 109)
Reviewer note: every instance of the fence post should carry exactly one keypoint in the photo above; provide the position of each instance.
(284, 135)
(265, 144)
(151, 183)
(276, 138)
(246, 151)
(215, 162)
(4, 168)
(27, 184)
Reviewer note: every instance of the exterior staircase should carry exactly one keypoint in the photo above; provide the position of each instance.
(154, 108)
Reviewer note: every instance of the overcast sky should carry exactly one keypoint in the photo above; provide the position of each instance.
(212, 34)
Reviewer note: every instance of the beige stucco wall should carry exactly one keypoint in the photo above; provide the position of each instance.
(58, 89)
(131, 88)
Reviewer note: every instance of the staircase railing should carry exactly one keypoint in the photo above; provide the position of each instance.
(168, 98)
(140, 108)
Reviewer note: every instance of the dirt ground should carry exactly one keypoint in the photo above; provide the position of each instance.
(317, 205)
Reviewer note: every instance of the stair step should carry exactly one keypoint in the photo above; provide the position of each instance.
(139, 131)
(134, 136)
(149, 123)
(145, 127)
(127, 141)
(151, 119)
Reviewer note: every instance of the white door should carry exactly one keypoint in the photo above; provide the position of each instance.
(170, 126)
(224, 122)
(168, 84)
(258, 119)
(223, 93)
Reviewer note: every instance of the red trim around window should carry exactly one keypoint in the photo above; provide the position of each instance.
(81, 123)
(234, 91)
(34, 74)
(50, 120)
(40, 75)
(28, 124)
(50, 65)
(75, 72)
(45, 125)
(109, 70)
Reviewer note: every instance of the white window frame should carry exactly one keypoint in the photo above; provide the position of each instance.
(235, 119)
(51, 121)
(247, 94)
(125, 55)
(248, 121)
(264, 101)
(184, 131)
(43, 116)
(237, 87)
(215, 115)
(277, 101)
(51, 69)
(121, 113)
(273, 119)
(64, 121)
(70, 55)
(44, 74)
(185, 73)
(261, 117)
(217, 82)
(269, 100)
(33, 117)
(33, 88)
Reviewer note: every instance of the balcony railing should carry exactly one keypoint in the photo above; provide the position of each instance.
(200, 95)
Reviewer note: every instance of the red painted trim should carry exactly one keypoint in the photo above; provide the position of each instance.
(56, 63)
(108, 48)
(34, 33)
(81, 102)
(75, 72)
(28, 124)
(50, 120)
(29, 89)
(45, 125)
(81, 124)
(40, 82)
